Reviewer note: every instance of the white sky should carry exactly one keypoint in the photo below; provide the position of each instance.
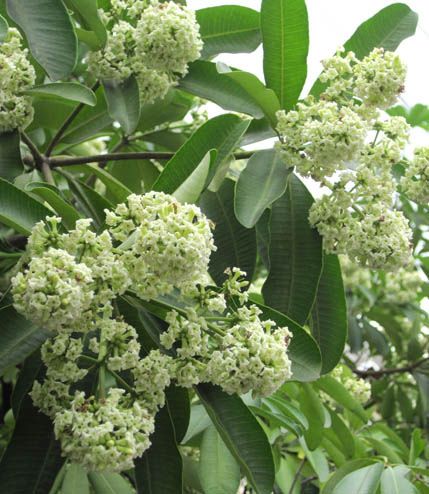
(332, 22)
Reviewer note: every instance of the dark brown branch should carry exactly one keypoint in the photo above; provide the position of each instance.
(377, 374)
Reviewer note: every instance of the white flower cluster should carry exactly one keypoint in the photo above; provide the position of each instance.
(357, 387)
(415, 182)
(343, 135)
(16, 75)
(68, 283)
(154, 41)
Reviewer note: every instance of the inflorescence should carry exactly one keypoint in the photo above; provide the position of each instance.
(100, 389)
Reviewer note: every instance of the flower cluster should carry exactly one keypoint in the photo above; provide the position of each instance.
(100, 392)
(357, 387)
(343, 141)
(17, 74)
(415, 183)
(154, 41)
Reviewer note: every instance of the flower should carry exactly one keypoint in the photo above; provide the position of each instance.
(415, 182)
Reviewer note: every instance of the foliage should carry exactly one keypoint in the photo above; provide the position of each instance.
(191, 319)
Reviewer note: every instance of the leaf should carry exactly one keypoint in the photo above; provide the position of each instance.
(50, 35)
(329, 314)
(236, 245)
(261, 183)
(265, 98)
(10, 156)
(218, 470)
(284, 25)
(221, 133)
(72, 91)
(18, 210)
(75, 481)
(295, 254)
(180, 410)
(109, 483)
(393, 482)
(33, 456)
(204, 80)
(18, 338)
(242, 434)
(28, 373)
(228, 29)
(317, 460)
(151, 472)
(65, 210)
(343, 471)
(386, 29)
(4, 28)
(123, 103)
(313, 409)
(90, 18)
(362, 481)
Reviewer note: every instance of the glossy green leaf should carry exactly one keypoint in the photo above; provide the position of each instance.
(18, 210)
(329, 314)
(242, 434)
(10, 156)
(31, 368)
(228, 29)
(362, 481)
(261, 183)
(198, 422)
(313, 409)
(75, 480)
(18, 338)
(151, 472)
(72, 91)
(386, 29)
(218, 470)
(344, 471)
(50, 35)
(110, 483)
(295, 254)
(236, 245)
(221, 133)
(123, 103)
(393, 481)
(317, 460)
(33, 457)
(89, 18)
(204, 80)
(4, 28)
(285, 39)
(180, 410)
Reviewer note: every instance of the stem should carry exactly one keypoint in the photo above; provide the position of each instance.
(297, 474)
(384, 372)
(102, 371)
(122, 382)
(57, 137)
(37, 156)
(47, 173)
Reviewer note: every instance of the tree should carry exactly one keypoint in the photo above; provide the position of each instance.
(180, 314)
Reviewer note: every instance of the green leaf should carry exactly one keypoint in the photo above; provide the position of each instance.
(204, 80)
(31, 368)
(284, 25)
(151, 472)
(89, 18)
(10, 156)
(339, 393)
(4, 28)
(18, 338)
(218, 470)
(236, 245)
(72, 91)
(33, 456)
(228, 29)
(313, 409)
(65, 210)
(242, 434)
(386, 29)
(344, 471)
(123, 103)
(393, 481)
(317, 460)
(18, 210)
(50, 35)
(180, 410)
(265, 98)
(221, 133)
(261, 183)
(329, 314)
(362, 481)
(109, 483)
(295, 254)
(75, 481)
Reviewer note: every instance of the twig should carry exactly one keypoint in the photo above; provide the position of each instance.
(297, 474)
(36, 154)
(376, 374)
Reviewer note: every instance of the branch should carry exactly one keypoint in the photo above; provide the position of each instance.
(35, 153)
(297, 474)
(377, 374)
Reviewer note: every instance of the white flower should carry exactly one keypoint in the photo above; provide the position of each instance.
(415, 183)
(121, 344)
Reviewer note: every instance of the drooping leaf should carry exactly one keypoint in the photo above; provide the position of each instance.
(344, 471)
(89, 18)
(284, 25)
(33, 456)
(4, 28)
(329, 314)
(180, 411)
(236, 245)
(31, 368)
(50, 35)
(221, 133)
(18, 210)
(110, 483)
(394, 481)
(123, 103)
(242, 434)
(72, 91)
(313, 409)
(10, 156)
(262, 182)
(75, 480)
(295, 254)
(218, 470)
(362, 481)
(228, 29)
